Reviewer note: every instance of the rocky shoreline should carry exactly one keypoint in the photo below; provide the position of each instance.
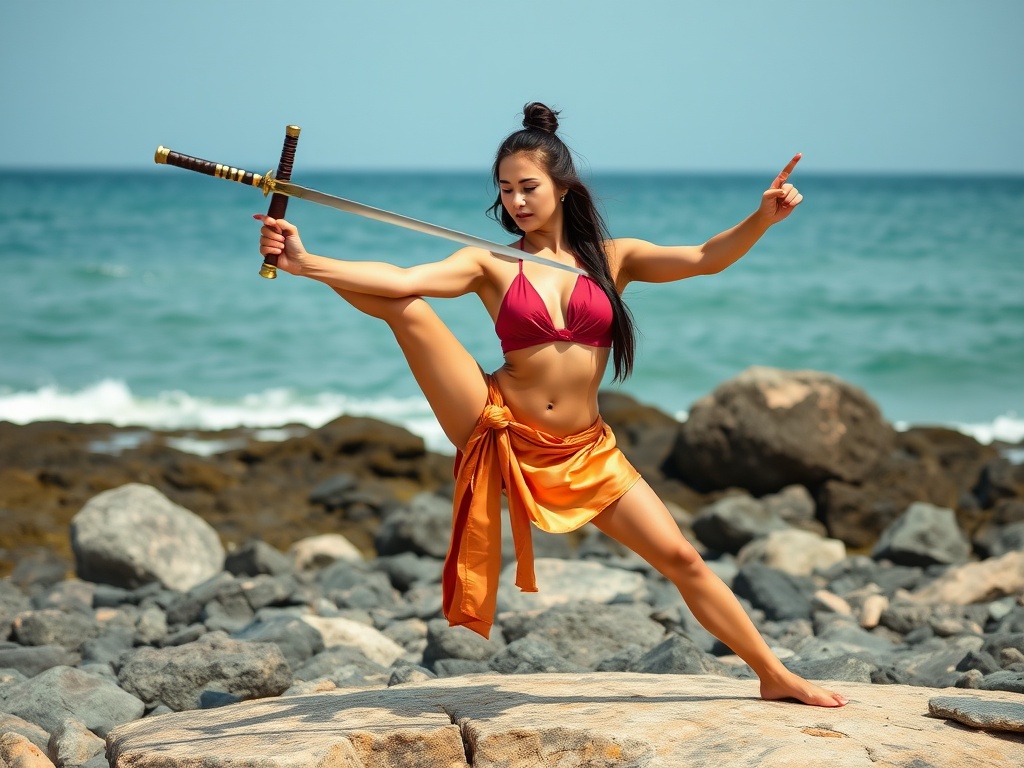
(141, 580)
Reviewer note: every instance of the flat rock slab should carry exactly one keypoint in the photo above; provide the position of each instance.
(980, 713)
(566, 720)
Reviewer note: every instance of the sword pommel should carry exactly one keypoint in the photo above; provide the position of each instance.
(161, 155)
(279, 203)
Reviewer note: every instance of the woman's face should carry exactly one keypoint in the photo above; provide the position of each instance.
(527, 192)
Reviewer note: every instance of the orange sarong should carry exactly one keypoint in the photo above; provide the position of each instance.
(558, 483)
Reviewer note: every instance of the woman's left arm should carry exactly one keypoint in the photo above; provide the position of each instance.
(648, 263)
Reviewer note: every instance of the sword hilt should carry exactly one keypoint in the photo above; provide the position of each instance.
(165, 156)
(279, 203)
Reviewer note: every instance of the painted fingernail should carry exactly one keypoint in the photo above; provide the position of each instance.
(258, 216)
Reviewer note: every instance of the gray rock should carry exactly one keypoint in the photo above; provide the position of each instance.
(780, 595)
(562, 582)
(997, 642)
(178, 676)
(297, 640)
(109, 596)
(622, 660)
(585, 633)
(72, 745)
(335, 491)
(934, 662)
(108, 647)
(410, 673)
(188, 607)
(795, 505)
(344, 665)
(256, 557)
(31, 661)
(185, 635)
(411, 634)
(845, 637)
(980, 661)
(54, 627)
(355, 585)
(793, 551)
(838, 668)
(459, 667)
(923, 535)
(71, 596)
(264, 590)
(133, 535)
(424, 527)
(445, 642)
(531, 655)
(977, 713)
(62, 693)
(151, 626)
(768, 428)
(12, 602)
(677, 655)
(903, 617)
(1003, 681)
(406, 569)
(730, 523)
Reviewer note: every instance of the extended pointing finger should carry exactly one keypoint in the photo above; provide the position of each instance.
(781, 178)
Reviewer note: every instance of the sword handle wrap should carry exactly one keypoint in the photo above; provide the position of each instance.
(279, 203)
(166, 156)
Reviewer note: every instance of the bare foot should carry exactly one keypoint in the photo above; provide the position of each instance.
(789, 686)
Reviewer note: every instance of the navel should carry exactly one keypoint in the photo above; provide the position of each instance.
(551, 406)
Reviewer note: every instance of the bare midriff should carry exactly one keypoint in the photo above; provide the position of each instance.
(553, 387)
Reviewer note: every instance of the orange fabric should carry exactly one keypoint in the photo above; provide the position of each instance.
(558, 483)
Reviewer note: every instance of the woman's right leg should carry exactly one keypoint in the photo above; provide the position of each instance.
(449, 377)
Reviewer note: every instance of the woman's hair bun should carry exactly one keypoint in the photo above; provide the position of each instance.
(540, 117)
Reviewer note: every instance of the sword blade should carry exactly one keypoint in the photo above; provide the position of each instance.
(398, 220)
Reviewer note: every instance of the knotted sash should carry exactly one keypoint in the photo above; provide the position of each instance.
(558, 483)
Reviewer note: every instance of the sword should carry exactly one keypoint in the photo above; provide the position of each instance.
(282, 188)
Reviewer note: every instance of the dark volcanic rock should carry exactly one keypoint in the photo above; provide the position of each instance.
(729, 523)
(424, 527)
(923, 535)
(768, 428)
(445, 642)
(297, 640)
(781, 596)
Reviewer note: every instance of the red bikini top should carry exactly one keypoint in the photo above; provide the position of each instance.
(523, 319)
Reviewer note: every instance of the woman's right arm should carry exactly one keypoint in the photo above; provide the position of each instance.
(459, 274)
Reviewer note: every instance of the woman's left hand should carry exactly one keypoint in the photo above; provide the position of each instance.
(779, 200)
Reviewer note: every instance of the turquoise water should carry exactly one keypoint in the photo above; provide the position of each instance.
(134, 298)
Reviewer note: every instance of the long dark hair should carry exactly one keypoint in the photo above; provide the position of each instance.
(585, 230)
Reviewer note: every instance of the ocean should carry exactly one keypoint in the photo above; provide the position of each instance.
(133, 298)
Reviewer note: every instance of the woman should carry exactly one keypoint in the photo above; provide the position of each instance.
(532, 429)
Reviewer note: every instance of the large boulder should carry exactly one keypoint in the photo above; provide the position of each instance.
(613, 719)
(769, 428)
(134, 535)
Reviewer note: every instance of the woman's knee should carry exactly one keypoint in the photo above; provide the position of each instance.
(681, 562)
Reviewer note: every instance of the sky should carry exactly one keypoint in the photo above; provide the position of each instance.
(868, 87)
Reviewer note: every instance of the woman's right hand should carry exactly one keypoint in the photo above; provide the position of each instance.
(281, 239)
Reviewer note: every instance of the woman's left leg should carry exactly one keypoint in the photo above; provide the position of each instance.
(640, 521)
